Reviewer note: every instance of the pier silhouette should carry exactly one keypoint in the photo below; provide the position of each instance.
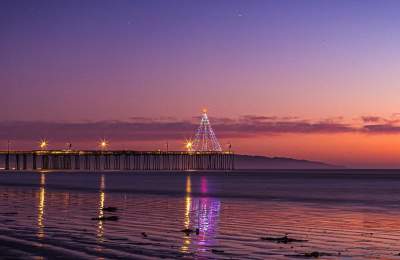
(116, 160)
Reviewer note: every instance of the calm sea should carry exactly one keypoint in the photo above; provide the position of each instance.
(340, 214)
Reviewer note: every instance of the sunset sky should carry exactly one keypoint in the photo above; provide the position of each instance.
(316, 80)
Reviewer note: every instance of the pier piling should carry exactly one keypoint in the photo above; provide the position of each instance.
(117, 160)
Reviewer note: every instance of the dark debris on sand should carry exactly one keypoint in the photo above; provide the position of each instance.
(314, 254)
(9, 213)
(216, 251)
(109, 209)
(285, 239)
(111, 218)
(189, 231)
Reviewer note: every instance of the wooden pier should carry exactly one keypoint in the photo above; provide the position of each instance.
(115, 160)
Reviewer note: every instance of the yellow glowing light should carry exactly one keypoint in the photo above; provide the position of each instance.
(189, 145)
(103, 144)
(43, 144)
(204, 110)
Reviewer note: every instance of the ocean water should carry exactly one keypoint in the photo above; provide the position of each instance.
(341, 214)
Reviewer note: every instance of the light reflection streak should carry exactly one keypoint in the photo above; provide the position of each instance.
(41, 206)
(208, 210)
(100, 224)
(188, 203)
(203, 185)
(202, 213)
(66, 199)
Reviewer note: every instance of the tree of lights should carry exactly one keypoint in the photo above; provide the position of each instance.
(205, 139)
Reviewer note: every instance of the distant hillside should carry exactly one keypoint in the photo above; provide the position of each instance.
(262, 162)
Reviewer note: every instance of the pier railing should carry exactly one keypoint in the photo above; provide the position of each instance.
(116, 160)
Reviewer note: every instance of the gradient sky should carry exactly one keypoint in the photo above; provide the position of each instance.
(314, 80)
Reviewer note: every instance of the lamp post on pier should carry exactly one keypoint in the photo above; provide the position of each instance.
(103, 144)
(43, 144)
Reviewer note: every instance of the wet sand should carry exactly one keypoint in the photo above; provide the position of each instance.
(342, 214)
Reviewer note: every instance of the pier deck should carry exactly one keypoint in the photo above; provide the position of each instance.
(115, 160)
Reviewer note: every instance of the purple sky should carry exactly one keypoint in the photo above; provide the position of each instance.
(93, 61)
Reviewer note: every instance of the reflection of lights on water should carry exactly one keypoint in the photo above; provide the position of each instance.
(188, 185)
(203, 184)
(66, 198)
(100, 231)
(42, 180)
(208, 213)
(100, 227)
(41, 212)
(41, 205)
(188, 203)
(102, 182)
(202, 213)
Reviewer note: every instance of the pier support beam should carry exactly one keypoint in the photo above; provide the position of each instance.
(45, 162)
(17, 163)
(7, 161)
(107, 162)
(117, 161)
(24, 161)
(87, 162)
(34, 165)
(127, 162)
(77, 162)
(97, 164)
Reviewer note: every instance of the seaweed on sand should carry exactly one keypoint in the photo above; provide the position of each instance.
(109, 209)
(285, 239)
(111, 218)
(314, 254)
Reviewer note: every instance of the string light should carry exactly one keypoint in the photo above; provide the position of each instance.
(205, 139)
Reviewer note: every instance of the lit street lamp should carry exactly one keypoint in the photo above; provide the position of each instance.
(103, 144)
(43, 144)
(189, 145)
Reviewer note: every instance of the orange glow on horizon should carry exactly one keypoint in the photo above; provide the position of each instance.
(344, 149)
(365, 150)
